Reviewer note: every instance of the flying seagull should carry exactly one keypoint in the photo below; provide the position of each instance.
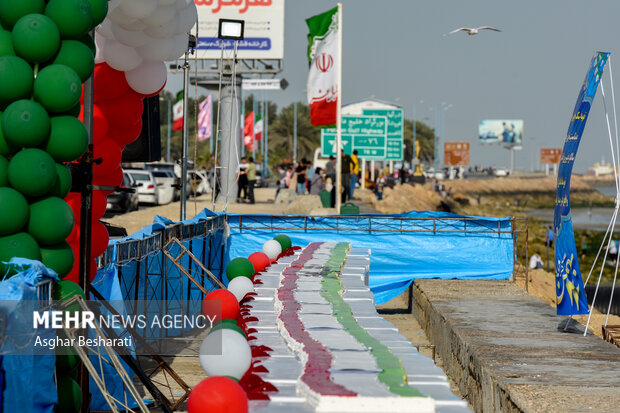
(472, 31)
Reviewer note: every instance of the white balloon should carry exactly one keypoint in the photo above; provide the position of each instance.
(129, 38)
(272, 249)
(121, 57)
(100, 45)
(179, 47)
(138, 9)
(161, 15)
(225, 352)
(167, 2)
(240, 286)
(105, 29)
(147, 78)
(158, 50)
(112, 4)
(166, 30)
(187, 19)
(118, 17)
(181, 4)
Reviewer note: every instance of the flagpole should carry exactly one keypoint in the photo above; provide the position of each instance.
(339, 115)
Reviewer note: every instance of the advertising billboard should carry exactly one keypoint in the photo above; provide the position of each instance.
(502, 131)
(456, 153)
(550, 155)
(264, 28)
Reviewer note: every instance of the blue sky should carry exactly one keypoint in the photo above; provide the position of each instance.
(394, 50)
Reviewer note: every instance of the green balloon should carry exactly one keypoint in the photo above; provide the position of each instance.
(16, 79)
(6, 149)
(69, 395)
(35, 38)
(17, 245)
(13, 10)
(100, 10)
(66, 361)
(62, 186)
(65, 289)
(68, 139)
(230, 324)
(74, 111)
(13, 211)
(25, 124)
(58, 88)
(6, 44)
(77, 56)
(51, 220)
(90, 43)
(4, 171)
(74, 18)
(32, 172)
(239, 267)
(58, 257)
(284, 241)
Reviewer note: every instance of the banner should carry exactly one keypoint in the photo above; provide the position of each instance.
(204, 119)
(248, 130)
(505, 131)
(177, 112)
(570, 293)
(323, 77)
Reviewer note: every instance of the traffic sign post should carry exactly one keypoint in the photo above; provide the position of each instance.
(394, 131)
(366, 134)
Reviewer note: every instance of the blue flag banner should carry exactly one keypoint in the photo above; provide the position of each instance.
(570, 293)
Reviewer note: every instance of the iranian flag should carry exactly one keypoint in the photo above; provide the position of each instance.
(323, 76)
(258, 128)
(177, 113)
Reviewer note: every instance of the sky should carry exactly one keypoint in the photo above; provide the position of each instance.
(395, 51)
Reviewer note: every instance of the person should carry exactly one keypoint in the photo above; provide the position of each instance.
(549, 237)
(251, 175)
(402, 174)
(317, 183)
(612, 250)
(242, 180)
(300, 173)
(584, 246)
(355, 171)
(309, 175)
(330, 175)
(345, 176)
(281, 180)
(536, 262)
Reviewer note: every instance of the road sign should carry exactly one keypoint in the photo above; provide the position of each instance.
(366, 134)
(550, 155)
(394, 131)
(456, 153)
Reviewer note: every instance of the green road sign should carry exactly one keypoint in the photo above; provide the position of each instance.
(394, 131)
(366, 134)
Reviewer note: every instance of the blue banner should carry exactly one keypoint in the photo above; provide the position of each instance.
(570, 293)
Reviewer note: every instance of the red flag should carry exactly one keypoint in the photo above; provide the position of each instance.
(248, 129)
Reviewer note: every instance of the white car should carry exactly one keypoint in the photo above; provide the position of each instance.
(147, 186)
(501, 172)
(166, 182)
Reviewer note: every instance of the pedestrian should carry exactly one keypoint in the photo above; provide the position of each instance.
(251, 176)
(549, 237)
(242, 180)
(536, 261)
(317, 184)
(345, 176)
(330, 174)
(309, 175)
(300, 173)
(355, 171)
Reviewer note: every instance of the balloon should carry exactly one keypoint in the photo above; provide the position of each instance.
(110, 154)
(148, 95)
(125, 110)
(225, 352)
(163, 31)
(100, 124)
(100, 239)
(57, 87)
(25, 123)
(259, 260)
(218, 394)
(120, 56)
(114, 178)
(74, 18)
(156, 50)
(6, 149)
(100, 203)
(240, 286)
(126, 134)
(17, 245)
(13, 211)
(75, 111)
(147, 78)
(77, 56)
(179, 47)
(109, 83)
(229, 303)
(100, 9)
(6, 43)
(13, 10)
(32, 172)
(73, 275)
(66, 361)
(99, 46)
(187, 18)
(119, 17)
(69, 395)
(105, 30)
(68, 140)
(4, 171)
(88, 41)
(160, 16)
(58, 257)
(51, 220)
(16, 79)
(284, 241)
(129, 37)
(272, 249)
(62, 186)
(138, 9)
(239, 267)
(230, 324)
(64, 290)
(35, 38)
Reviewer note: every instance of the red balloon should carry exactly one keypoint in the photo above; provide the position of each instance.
(110, 154)
(100, 203)
(109, 83)
(126, 134)
(100, 125)
(125, 110)
(217, 394)
(100, 239)
(230, 305)
(73, 275)
(115, 178)
(260, 260)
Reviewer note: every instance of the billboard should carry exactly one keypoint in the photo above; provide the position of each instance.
(550, 155)
(264, 28)
(368, 135)
(456, 153)
(394, 131)
(502, 131)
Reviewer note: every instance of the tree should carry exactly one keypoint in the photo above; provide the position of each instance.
(424, 135)
(282, 132)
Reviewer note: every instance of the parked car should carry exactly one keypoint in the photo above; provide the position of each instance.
(146, 186)
(170, 168)
(124, 201)
(166, 185)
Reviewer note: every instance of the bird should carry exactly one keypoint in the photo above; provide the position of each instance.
(472, 31)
